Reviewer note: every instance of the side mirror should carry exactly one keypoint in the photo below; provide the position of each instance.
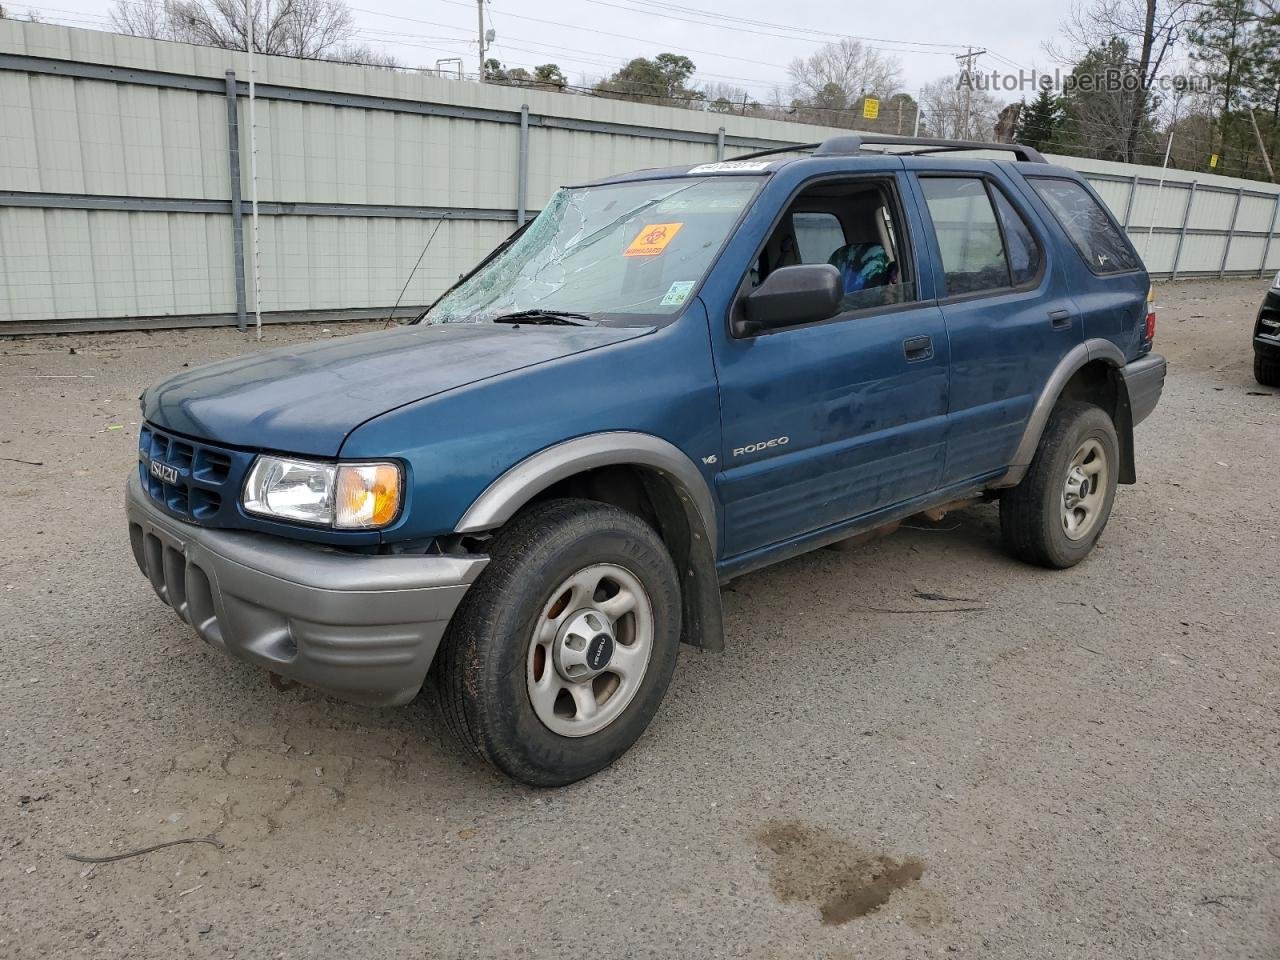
(790, 296)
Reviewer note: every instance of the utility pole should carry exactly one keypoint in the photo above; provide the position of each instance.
(480, 35)
(1164, 168)
(249, 14)
(966, 76)
(1266, 158)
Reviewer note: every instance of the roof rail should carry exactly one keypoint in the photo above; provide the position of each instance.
(852, 144)
(793, 148)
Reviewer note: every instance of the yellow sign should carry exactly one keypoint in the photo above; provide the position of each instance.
(1213, 161)
(652, 239)
(870, 108)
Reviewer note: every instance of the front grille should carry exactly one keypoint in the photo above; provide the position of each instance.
(194, 480)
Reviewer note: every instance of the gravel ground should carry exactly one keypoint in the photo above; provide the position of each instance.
(1085, 765)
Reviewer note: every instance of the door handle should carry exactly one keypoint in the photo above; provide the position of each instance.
(1061, 319)
(917, 348)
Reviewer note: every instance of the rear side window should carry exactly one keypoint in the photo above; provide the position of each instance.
(1092, 231)
(973, 257)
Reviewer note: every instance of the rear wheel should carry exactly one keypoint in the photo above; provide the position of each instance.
(1056, 514)
(560, 654)
(1265, 371)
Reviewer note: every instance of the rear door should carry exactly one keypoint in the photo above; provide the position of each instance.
(832, 420)
(1005, 299)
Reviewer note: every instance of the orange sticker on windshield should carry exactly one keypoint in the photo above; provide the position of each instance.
(652, 240)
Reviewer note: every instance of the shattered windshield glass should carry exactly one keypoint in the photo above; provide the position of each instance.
(607, 252)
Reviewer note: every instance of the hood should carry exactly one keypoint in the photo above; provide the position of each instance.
(306, 399)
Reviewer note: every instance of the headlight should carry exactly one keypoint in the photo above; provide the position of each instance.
(350, 496)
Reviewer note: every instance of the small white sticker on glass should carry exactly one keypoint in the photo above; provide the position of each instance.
(677, 293)
(732, 166)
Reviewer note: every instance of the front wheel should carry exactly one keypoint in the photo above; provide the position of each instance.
(561, 652)
(1056, 514)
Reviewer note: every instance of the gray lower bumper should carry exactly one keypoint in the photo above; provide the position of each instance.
(363, 628)
(1144, 379)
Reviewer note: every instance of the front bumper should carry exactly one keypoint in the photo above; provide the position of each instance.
(364, 628)
(1144, 380)
(1266, 332)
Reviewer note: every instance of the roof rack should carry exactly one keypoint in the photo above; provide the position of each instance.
(852, 144)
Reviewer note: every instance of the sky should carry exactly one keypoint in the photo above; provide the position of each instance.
(747, 43)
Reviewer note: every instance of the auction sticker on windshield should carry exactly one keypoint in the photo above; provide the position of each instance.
(652, 239)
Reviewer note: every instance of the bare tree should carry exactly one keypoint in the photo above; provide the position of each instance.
(1152, 28)
(727, 98)
(949, 109)
(141, 18)
(310, 29)
(839, 75)
(31, 17)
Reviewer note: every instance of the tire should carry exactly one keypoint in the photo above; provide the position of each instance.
(1037, 516)
(495, 680)
(1266, 372)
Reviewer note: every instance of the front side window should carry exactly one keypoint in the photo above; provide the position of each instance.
(969, 240)
(618, 253)
(849, 224)
(1091, 229)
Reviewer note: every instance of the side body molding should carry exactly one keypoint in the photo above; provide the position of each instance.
(1077, 357)
(692, 542)
(513, 489)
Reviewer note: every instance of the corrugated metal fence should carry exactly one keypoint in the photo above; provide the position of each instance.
(124, 181)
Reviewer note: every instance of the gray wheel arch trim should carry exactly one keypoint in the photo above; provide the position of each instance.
(507, 494)
(1077, 357)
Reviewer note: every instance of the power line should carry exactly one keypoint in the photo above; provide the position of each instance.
(825, 35)
(603, 33)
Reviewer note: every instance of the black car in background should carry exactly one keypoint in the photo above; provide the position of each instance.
(1266, 338)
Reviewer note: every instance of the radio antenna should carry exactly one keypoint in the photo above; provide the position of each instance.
(392, 315)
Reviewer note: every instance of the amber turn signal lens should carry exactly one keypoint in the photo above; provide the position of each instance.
(367, 495)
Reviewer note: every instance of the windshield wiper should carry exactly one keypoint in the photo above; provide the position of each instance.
(549, 317)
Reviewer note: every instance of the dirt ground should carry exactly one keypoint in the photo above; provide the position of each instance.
(1077, 764)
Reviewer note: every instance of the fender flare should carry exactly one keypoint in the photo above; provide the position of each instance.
(695, 555)
(1068, 366)
(513, 489)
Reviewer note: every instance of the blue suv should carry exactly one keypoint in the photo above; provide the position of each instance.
(532, 494)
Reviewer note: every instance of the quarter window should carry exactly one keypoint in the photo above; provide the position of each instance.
(1091, 229)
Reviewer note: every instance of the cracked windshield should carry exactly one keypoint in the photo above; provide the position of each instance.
(606, 253)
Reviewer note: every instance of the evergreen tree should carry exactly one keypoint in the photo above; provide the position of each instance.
(1041, 121)
(665, 77)
(1222, 44)
(1264, 82)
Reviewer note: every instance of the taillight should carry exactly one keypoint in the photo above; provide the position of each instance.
(1149, 332)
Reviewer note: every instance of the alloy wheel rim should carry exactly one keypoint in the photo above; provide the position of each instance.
(590, 650)
(1085, 489)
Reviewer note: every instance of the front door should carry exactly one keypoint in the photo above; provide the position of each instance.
(833, 420)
